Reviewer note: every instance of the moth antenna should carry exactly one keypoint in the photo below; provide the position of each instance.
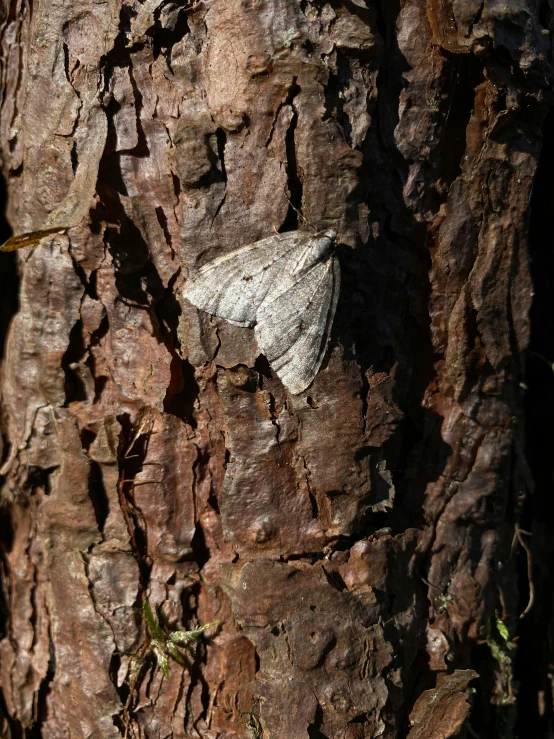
(298, 212)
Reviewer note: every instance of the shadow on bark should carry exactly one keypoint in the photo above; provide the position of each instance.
(535, 647)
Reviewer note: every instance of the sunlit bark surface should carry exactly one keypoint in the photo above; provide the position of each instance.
(360, 544)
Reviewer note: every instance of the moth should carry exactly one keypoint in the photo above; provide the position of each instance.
(286, 287)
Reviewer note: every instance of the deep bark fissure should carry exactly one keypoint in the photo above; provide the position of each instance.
(98, 495)
(465, 73)
(336, 86)
(221, 138)
(418, 422)
(164, 37)
(183, 391)
(162, 220)
(533, 660)
(74, 387)
(8, 723)
(294, 180)
(314, 729)
(95, 338)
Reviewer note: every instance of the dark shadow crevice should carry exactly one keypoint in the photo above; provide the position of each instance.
(535, 653)
(73, 385)
(35, 732)
(463, 74)
(170, 27)
(98, 494)
(294, 180)
(314, 729)
(182, 392)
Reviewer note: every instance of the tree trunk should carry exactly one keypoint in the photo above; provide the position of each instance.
(362, 545)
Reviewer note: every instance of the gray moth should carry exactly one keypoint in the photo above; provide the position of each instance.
(286, 287)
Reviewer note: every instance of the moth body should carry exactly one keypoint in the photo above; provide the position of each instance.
(320, 249)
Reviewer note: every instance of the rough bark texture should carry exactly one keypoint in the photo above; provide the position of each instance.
(360, 543)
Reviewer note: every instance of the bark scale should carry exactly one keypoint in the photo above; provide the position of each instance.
(356, 542)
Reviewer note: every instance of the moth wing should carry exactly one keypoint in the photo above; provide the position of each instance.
(294, 324)
(234, 285)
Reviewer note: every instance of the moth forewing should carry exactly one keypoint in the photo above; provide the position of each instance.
(293, 327)
(233, 286)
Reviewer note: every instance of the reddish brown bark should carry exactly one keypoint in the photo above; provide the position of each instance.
(360, 543)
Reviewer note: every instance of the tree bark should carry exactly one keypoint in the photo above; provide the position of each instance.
(362, 544)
